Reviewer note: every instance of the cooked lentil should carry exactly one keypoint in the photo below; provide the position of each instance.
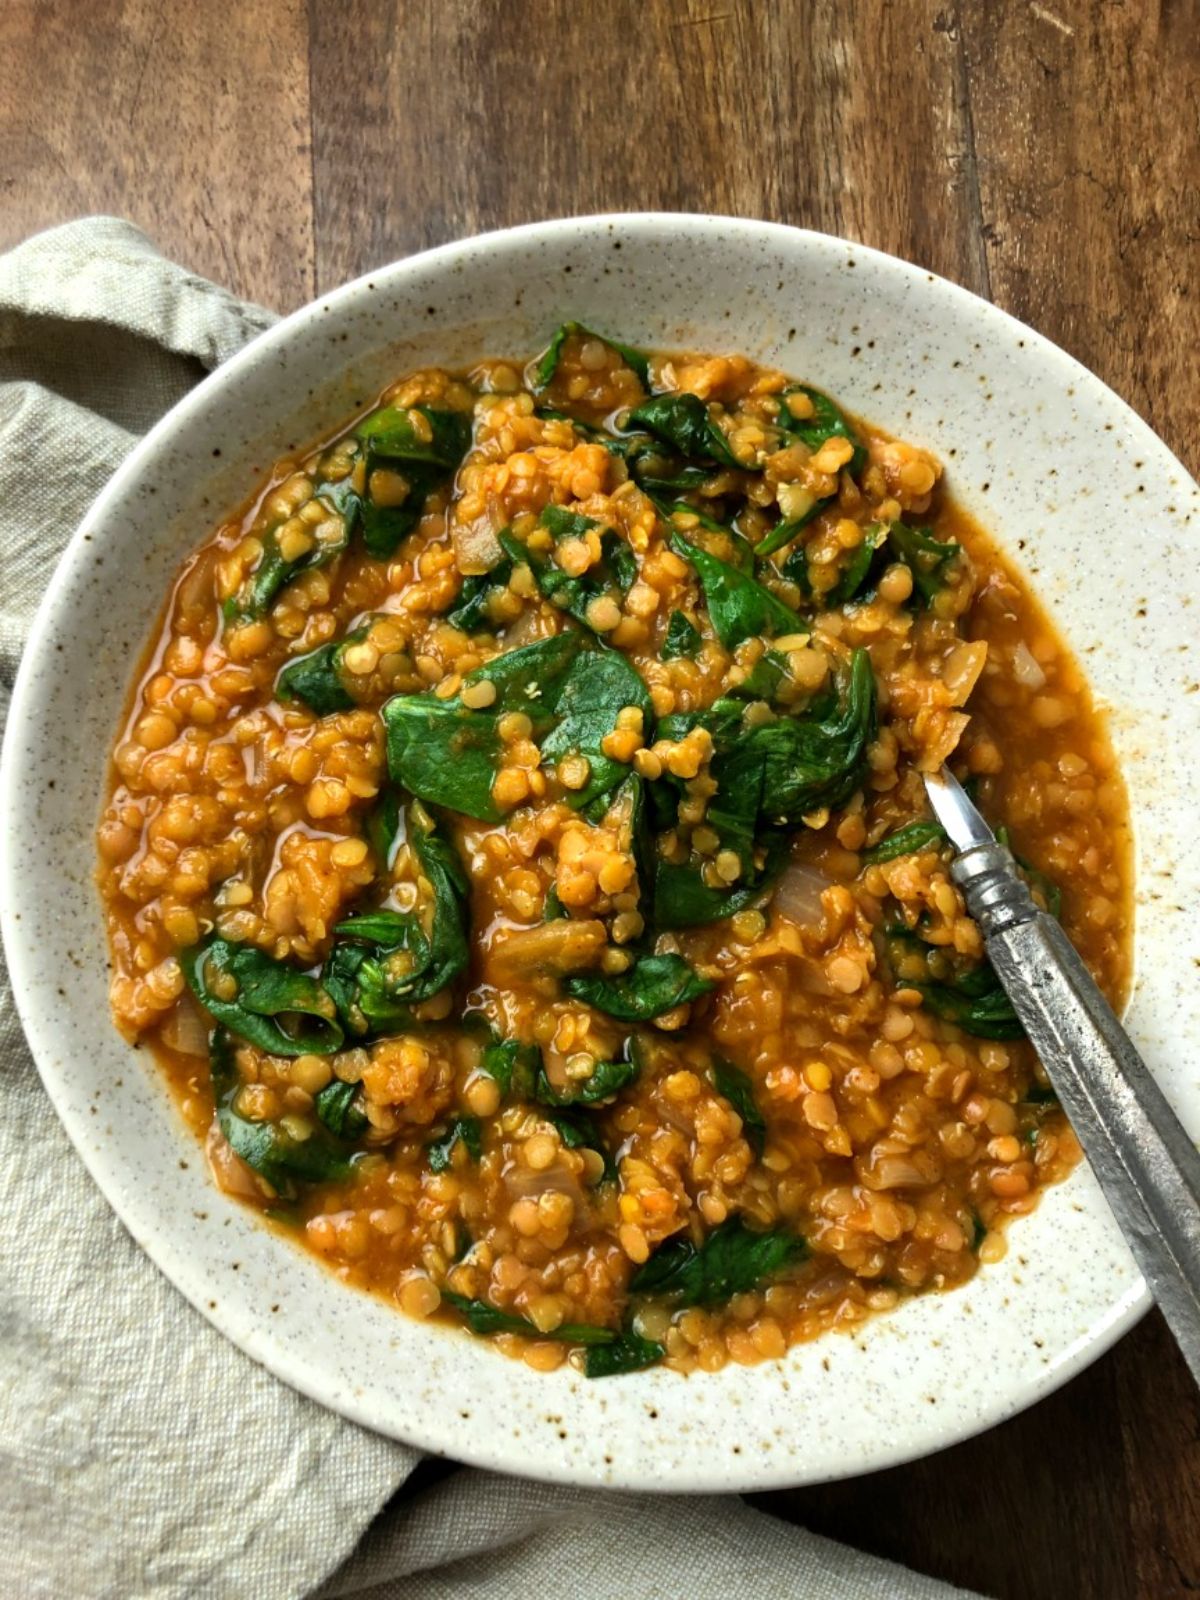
(628, 1009)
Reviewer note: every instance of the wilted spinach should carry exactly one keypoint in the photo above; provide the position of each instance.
(317, 679)
(470, 610)
(547, 366)
(467, 1131)
(731, 1260)
(339, 1107)
(268, 1147)
(684, 422)
(826, 422)
(970, 996)
(385, 962)
(924, 556)
(739, 606)
(652, 986)
(682, 638)
(735, 1086)
(614, 574)
(448, 755)
(906, 841)
(281, 1010)
(600, 684)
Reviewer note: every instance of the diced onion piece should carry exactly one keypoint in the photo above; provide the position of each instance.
(186, 1029)
(915, 1169)
(961, 669)
(798, 894)
(795, 500)
(230, 1173)
(524, 1183)
(1026, 669)
(944, 741)
(476, 547)
(559, 946)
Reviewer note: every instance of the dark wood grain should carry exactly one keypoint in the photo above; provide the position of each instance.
(191, 118)
(1044, 154)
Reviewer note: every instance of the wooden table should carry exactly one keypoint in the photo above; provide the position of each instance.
(1044, 155)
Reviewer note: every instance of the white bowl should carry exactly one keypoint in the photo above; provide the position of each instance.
(1091, 504)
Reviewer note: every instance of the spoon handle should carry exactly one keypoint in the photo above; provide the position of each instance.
(1148, 1167)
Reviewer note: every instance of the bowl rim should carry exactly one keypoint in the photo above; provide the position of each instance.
(499, 1454)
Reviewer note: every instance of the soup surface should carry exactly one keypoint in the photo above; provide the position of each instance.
(517, 857)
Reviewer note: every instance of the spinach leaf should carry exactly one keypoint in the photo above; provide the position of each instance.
(268, 1147)
(682, 638)
(607, 1079)
(786, 529)
(813, 760)
(470, 613)
(726, 544)
(684, 422)
(764, 678)
(576, 1130)
(629, 1352)
(856, 580)
(316, 679)
(515, 1067)
(428, 445)
(905, 841)
(739, 606)
(417, 435)
(979, 1232)
(734, 1085)
(484, 1319)
(553, 909)
(661, 475)
(531, 678)
(385, 962)
(629, 813)
(600, 684)
(924, 556)
(858, 569)
(548, 365)
(971, 997)
(338, 1107)
(467, 1131)
(258, 591)
(1039, 1094)
(826, 422)
(281, 1010)
(386, 828)
(614, 574)
(651, 986)
(448, 755)
(731, 1260)
(682, 899)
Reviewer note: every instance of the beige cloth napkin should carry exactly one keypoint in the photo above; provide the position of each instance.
(141, 1455)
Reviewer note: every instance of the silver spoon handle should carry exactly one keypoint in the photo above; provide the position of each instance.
(1146, 1164)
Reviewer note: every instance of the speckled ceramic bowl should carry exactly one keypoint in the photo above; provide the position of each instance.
(1078, 490)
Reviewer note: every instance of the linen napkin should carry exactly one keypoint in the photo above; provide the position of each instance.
(141, 1454)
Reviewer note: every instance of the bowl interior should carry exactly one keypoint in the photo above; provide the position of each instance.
(1076, 488)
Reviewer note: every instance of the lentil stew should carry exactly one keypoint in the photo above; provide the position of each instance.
(518, 860)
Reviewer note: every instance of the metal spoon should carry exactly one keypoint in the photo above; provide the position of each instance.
(1147, 1165)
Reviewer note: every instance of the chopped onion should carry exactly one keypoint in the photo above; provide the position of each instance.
(961, 669)
(1026, 669)
(523, 1183)
(798, 894)
(186, 1029)
(476, 547)
(527, 629)
(230, 1173)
